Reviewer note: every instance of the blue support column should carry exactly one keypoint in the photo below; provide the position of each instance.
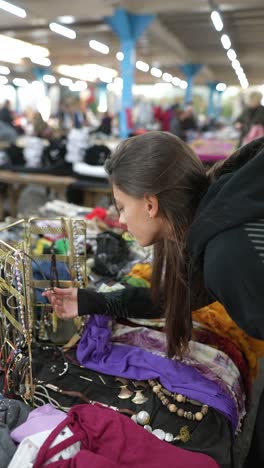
(218, 105)
(101, 96)
(128, 27)
(190, 70)
(212, 88)
(39, 72)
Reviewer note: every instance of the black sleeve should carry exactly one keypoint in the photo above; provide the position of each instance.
(128, 302)
(234, 273)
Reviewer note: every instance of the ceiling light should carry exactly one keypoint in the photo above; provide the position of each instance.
(13, 9)
(20, 82)
(176, 81)
(163, 86)
(183, 84)
(142, 66)
(3, 80)
(244, 84)
(4, 70)
(217, 20)
(13, 50)
(44, 61)
(67, 19)
(225, 41)
(88, 72)
(220, 87)
(120, 56)
(156, 72)
(239, 70)
(50, 79)
(231, 54)
(59, 29)
(167, 77)
(99, 47)
(235, 64)
(65, 81)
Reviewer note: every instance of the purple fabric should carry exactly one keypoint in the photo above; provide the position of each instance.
(96, 352)
(40, 419)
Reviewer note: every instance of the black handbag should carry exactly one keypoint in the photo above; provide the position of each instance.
(111, 254)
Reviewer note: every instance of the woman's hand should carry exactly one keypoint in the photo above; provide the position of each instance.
(63, 301)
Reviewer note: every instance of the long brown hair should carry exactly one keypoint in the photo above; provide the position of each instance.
(159, 163)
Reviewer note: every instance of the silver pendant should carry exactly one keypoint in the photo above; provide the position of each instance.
(139, 399)
(125, 393)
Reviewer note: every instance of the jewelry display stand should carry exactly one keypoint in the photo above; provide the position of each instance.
(23, 317)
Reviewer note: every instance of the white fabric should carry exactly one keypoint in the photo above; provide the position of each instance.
(27, 451)
(89, 170)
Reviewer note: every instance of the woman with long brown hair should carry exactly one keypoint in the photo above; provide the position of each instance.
(194, 218)
(207, 230)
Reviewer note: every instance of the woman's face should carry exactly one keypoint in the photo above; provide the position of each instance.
(136, 213)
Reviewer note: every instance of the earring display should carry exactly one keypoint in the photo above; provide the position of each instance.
(26, 319)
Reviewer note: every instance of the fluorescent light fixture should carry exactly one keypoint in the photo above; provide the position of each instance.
(142, 66)
(10, 8)
(14, 50)
(43, 61)
(88, 72)
(220, 87)
(65, 81)
(120, 56)
(4, 70)
(59, 29)
(156, 72)
(244, 84)
(226, 43)
(163, 87)
(66, 19)
(118, 81)
(231, 54)
(176, 81)
(217, 20)
(20, 82)
(235, 64)
(50, 79)
(183, 84)
(239, 70)
(3, 80)
(99, 47)
(167, 77)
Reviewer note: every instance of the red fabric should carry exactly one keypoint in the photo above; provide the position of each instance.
(112, 440)
(97, 213)
(224, 344)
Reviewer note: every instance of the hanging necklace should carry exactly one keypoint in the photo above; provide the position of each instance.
(163, 394)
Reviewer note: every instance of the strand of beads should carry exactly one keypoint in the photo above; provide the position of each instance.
(19, 289)
(143, 419)
(77, 262)
(163, 394)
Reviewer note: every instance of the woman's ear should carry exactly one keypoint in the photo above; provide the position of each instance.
(152, 205)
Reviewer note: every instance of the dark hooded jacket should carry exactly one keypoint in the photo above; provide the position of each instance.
(226, 246)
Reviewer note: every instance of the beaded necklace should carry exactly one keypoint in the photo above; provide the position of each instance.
(163, 394)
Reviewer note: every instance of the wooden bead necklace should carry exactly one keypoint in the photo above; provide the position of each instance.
(163, 394)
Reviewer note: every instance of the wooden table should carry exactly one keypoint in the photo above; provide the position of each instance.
(17, 180)
(92, 188)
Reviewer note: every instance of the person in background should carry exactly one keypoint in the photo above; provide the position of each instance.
(175, 120)
(188, 121)
(206, 248)
(251, 118)
(6, 114)
(105, 125)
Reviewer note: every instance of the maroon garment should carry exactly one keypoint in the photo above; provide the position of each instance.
(223, 343)
(112, 440)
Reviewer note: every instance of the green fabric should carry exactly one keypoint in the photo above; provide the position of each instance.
(137, 282)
